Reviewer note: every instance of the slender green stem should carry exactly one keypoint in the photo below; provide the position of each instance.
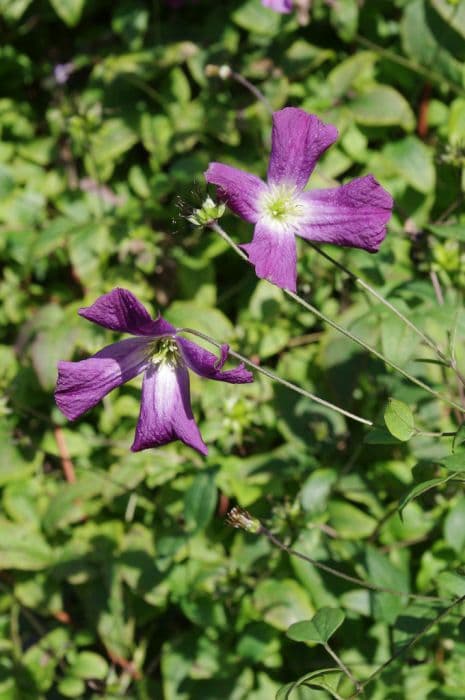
(361, 282)
(346, 577)
(309, 307)
(403, 650)
(276, 378)
(448, 361)
(343, 667)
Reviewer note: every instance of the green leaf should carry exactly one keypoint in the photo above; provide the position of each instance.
(88, 664)
(319, 629)
(399, 420)
(256, 18)
(69, 11)
(192, 315)
(378, 435)
(430, 41)
(200, 502)
(399, 342)
(358, 67)
(282, 602)
(453, 12)
(344, 17)
(86, 247)
(316, 490)
(454, 526)
(285, 692)
(418, 489)
(22, 548)
(453, 232)
(413, 161)
(349, 521)
(14, 464)
(452, 583)
(13, 10)
(383, 573)
(454, 463)
(72, 687)
(459, 438)
(113, 139)
(382, 106)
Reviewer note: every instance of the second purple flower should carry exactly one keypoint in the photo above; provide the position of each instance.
(160, 354)
(352, 215)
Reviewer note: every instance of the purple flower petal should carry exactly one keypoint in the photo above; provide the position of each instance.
(282, 6)
(81, 385)
(273, 253)
(165, 412)
(298, 141)
(206, 364)
(120, 310)
(353, 215)
(240, 190)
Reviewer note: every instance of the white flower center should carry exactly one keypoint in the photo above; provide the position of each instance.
(281, 207)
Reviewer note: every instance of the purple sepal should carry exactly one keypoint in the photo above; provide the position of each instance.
(240, 190)
(297, 142)
(274, 256)
(224, 352)
(120, 310)
(353, 215)
(165, 411)
(81, 385)
(205, 364)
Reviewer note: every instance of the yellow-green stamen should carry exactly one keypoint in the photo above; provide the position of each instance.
(166, 351)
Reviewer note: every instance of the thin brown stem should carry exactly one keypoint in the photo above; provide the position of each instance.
(251, 88)
(66, 463)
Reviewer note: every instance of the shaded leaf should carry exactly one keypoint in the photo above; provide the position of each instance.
(69, 11)
(200, 502)
(413, 161)
(399, 420)
(319, 629)
(418, 489)
(382, 106)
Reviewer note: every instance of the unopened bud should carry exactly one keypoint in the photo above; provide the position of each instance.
(211, 71)
(224, 72)
(208, 212)
(240, 518)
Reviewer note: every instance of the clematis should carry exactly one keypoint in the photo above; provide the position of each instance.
(157, 351)
(352, 215)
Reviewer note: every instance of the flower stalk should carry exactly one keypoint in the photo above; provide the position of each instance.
(276, 378)
(242, 519)
(214, 226)
(448, 361)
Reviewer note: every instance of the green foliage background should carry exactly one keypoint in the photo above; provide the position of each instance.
(128, 583)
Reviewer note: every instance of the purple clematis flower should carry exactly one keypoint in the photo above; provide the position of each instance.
(353, 215)
(158, 352)
(281, 6)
